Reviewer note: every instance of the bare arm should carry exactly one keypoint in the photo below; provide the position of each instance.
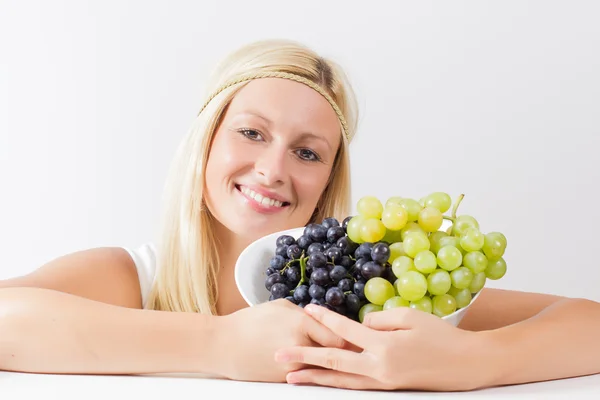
(103, 274)
(46, 331)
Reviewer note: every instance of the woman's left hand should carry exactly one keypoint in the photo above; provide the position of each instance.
(400, 348)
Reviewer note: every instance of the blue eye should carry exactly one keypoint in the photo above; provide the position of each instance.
(250, 134)
(308, 155)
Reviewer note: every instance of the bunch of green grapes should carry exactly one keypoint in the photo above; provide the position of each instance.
(435, 270)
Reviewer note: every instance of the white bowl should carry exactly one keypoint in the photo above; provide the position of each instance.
(254, 260)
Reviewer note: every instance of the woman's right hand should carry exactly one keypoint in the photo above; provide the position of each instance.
(250, 337)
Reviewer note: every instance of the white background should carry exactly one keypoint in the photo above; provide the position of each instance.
(497, 100)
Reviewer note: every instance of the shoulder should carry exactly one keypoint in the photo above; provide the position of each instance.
(145, 260)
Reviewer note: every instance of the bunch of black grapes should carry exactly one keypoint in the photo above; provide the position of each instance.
(323, 266)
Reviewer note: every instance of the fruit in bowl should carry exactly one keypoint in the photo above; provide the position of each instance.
(404, 253)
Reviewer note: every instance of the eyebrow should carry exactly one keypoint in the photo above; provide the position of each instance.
(269, 123)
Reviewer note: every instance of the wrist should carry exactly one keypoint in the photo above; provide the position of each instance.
(491, 354)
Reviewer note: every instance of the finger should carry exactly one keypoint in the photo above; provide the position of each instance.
(343, 380)
(396, 319)
(330, 358)
(322, 335)
(342, 326)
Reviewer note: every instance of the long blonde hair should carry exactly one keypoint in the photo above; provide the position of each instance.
(187, 256)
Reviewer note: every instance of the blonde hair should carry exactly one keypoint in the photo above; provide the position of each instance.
(188, 258)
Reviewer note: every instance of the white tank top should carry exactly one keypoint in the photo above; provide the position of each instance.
(144, 258)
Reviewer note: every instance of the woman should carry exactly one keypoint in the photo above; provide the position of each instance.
(267, 152)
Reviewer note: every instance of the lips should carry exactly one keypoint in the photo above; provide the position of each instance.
(267, 200)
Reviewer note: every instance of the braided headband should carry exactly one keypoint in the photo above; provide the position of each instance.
(285, 75)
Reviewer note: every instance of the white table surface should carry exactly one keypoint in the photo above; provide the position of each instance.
(15, 386)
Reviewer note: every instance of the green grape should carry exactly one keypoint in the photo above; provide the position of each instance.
(472, 240)
(443, 305)
(423, 304)
(354, 227)
(478, 282)
(461, 277)
(411, 227)
(378, 290)
(434, 239)
(414, 243)
(449, 258)
(412, 207)
(425, 262)
(369, 207)
(494, 245)
(402, 264)
(411, 285)
(451, 241)
(439, 282)
(394, 200)
(394, 217)
(372, 230)
(368, 308)
(463, 297)
(430, 219)
(391, 236)
(476, 261)
(462, 223)
(394, 302)
(396, 250)
(496, 268)
(439, 200)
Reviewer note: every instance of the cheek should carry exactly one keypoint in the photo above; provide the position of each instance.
(310, 186)
(225, 157)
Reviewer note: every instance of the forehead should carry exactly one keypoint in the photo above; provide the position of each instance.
(288, 105)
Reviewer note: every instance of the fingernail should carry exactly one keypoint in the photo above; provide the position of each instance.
(282, 357)
(312, 309)
(293, 377)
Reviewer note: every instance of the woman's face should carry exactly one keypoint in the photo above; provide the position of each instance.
(271, 157)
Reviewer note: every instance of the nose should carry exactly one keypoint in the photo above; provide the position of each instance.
(270, 165)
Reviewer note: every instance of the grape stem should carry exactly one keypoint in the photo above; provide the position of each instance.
(302, 271)
(456, 204)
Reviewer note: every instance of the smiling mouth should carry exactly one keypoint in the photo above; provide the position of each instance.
(259, 198)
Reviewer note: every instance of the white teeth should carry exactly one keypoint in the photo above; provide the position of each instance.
(260, 198)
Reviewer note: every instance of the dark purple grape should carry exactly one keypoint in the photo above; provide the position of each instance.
(334, 233)
(294, 252)
(371, 269)
(345, 222)
(273, 279)
(301, 294)
(347, 246)
(388, 274)
(334, 253)
(327, 245)
(334, 296)
(315, 248)
(291, 299)
(380, 253)
(352, 302)
(284, 240)
(277, 262)
(345, 284)
(308, 229)
(319, 302)
(345, 261)
(338, 273)
(303, 304)
(282, 250)
(359, 290)
(316, 291)
(341, 309)
(363, 251)
(317, 260)
(320, 276)
(357, 267)
(293, 274)
(318, 233)
(280, 290)
(304, 241)
(330, 222)
(270, 271)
